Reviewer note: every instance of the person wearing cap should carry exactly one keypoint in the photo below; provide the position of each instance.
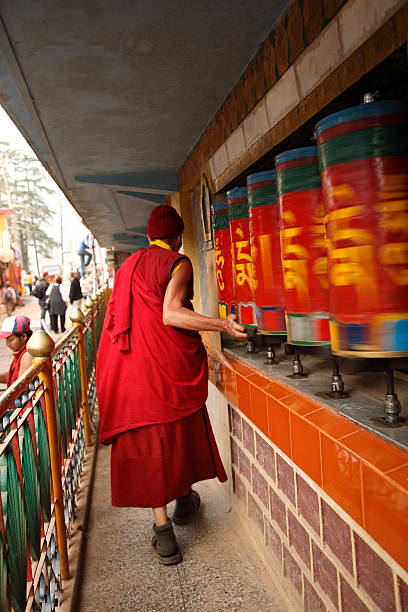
(152, 384)
(16, 330)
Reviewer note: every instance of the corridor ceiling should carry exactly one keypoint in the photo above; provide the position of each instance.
(112, 95)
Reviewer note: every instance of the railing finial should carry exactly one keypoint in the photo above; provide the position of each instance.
(89, 303)
(77, 316)
(40, 344)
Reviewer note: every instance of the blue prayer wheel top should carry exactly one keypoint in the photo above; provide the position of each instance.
(363, 111)
(295, 154)
(259, 177)
(217, 206)
(237, 193)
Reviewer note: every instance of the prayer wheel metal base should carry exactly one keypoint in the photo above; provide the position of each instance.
(392, 405)
(251, 343)
(272, 341)
(386, 423)
(337, 385)
(271, 356)
(297, 367)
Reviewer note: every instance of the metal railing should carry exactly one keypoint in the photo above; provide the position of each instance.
(45, 427)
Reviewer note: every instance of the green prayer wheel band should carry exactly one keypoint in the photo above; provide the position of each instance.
(378, 141)
(238, 210)
(220, 221)
(298, 178)
(262, 196)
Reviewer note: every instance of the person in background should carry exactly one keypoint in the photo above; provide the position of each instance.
(75, 291)
(58, 300)
(9, 298)
(16, 330)
(85, 254)
(29, 282)
(40, 292)
(87, 285)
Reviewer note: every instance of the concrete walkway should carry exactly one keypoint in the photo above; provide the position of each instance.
(220, 570)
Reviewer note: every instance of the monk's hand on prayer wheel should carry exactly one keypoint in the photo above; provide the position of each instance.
(233, 328)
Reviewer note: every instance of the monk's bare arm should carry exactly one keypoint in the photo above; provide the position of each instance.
(3, 377)
(176, 315)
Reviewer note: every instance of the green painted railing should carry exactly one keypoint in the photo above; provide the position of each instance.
(45, 427)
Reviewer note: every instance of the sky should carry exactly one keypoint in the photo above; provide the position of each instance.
(73, 230)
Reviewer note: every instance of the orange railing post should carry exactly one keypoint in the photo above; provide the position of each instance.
(40, 347)
(77, 318)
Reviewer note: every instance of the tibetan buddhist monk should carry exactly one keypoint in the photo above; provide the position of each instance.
(152, 383)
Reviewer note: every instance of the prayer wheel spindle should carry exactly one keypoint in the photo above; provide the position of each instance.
(270, 355)
(392, 405)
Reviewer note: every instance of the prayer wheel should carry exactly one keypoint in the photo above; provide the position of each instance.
(241, 255)
(363, 155)
(303, 247)
(223, 259)
(266, 255)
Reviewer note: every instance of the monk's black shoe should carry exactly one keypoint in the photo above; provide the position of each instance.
(186, 507)
(165, 544)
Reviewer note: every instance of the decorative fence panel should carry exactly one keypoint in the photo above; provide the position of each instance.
(45, 421)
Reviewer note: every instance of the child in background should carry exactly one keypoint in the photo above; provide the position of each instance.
(17, 332)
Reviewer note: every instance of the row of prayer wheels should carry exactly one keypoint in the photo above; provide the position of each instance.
(317, 248)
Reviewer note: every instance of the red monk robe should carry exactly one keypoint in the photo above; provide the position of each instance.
(152, 386)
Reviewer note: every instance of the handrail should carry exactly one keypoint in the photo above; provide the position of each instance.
(63, 340)
(45, 429)
(12, 393)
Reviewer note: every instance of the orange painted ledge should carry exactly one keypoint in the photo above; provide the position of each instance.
(366, 475)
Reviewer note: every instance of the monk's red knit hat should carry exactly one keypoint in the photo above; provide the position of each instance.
(164, 222)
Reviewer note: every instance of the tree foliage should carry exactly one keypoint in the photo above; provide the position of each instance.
(24, 190)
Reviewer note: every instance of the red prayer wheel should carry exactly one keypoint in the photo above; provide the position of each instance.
(364, 161)
(303, 247)
(266, 254)
(223, 259)
(241, 255)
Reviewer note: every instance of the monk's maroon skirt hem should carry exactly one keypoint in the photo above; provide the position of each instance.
(152, 465)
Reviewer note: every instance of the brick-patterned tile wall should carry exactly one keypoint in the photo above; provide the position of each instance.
(362, 474)
(325, 557)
